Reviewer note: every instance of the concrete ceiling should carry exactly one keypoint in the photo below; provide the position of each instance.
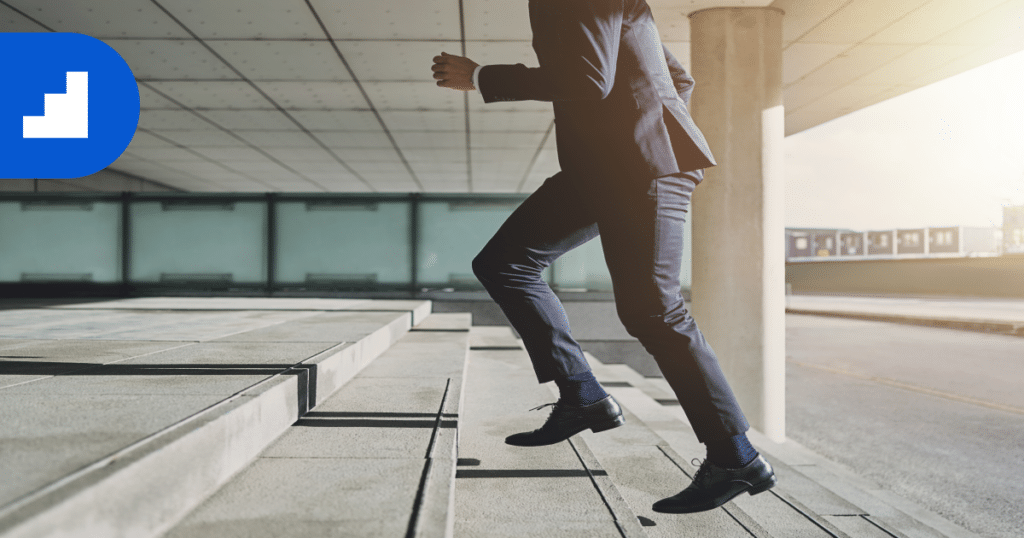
(337, 95)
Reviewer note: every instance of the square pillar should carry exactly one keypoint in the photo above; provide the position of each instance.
(738, 288)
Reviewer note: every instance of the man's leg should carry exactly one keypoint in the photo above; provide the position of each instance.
(552, 221)
(641, 227)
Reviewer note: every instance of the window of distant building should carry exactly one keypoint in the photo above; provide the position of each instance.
(801, 243)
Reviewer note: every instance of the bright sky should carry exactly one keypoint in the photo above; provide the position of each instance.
(947, 154)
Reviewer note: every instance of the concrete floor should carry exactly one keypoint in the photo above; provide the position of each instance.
(934, 415)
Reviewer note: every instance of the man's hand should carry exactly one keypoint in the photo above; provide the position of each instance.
(455, 72)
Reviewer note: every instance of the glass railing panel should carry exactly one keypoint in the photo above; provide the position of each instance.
(197, 241)
(60, 240)
(343, 243)
(451, 234)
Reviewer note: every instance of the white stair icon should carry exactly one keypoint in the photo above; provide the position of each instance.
(65, 115)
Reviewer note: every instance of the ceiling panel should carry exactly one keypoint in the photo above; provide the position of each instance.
(231, 94)
(245, 18)
(354, 139)
(455, 138)
(282, 60)
(313, 154)
(250, 119)
(337, 120)
(421, 120)
(916, 62)
(271, 138)
(1006, 19)
(394, 60)
(334, 178)
(201, 138)
(413, 96)
(934, 18)
(174, 59)
(277, 177)
(394, 167)
(150, 99)
(978, 56)
(839, 56)
(107, 18)
(144, 139)
(452, 158)
(853, 64)
(208, 170)
(859, 19)
(802, 16)
(165, 154)
(12, 21)
(309, 168)
(367, 155)
(799, 59)
(225, 154)
(157, 120)
(496, 20)
(515, 158)
(504, 139)
(307, 94)
(389, 19)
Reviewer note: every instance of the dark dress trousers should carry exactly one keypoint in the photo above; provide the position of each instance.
(630, 159)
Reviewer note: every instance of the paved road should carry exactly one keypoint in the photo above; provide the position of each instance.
(934, 415)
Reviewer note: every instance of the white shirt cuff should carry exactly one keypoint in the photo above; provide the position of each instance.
(476, 78)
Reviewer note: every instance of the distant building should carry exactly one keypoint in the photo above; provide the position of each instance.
(1013, 229)
(812, 244)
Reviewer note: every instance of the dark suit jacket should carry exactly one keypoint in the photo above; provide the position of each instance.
(619, 96)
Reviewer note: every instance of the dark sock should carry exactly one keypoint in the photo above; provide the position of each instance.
(580, 389)
(731, 453)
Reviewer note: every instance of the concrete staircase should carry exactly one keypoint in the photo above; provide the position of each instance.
(121, 417)
(330, 417)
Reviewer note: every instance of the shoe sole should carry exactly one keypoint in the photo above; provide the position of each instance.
(596, 428)
(614, 423)
(763, 486)
(752, 490)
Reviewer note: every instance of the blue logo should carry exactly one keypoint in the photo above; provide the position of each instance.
(69, 105)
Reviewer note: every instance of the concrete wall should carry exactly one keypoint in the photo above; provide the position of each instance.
(102, 181)
(1001, 276)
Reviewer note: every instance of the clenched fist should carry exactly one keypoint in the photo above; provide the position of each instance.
(455, 72)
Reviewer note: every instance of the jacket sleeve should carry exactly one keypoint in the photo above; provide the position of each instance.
(680, 78)
(577, 46)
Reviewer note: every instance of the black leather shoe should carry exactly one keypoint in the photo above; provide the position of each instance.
(568, 420)
(714, 486)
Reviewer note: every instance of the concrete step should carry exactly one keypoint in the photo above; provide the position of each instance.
(501, 490)
(814, 496)
(119, 416)
(377, 458)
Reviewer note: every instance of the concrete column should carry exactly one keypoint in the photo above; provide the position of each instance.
(739, 250)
